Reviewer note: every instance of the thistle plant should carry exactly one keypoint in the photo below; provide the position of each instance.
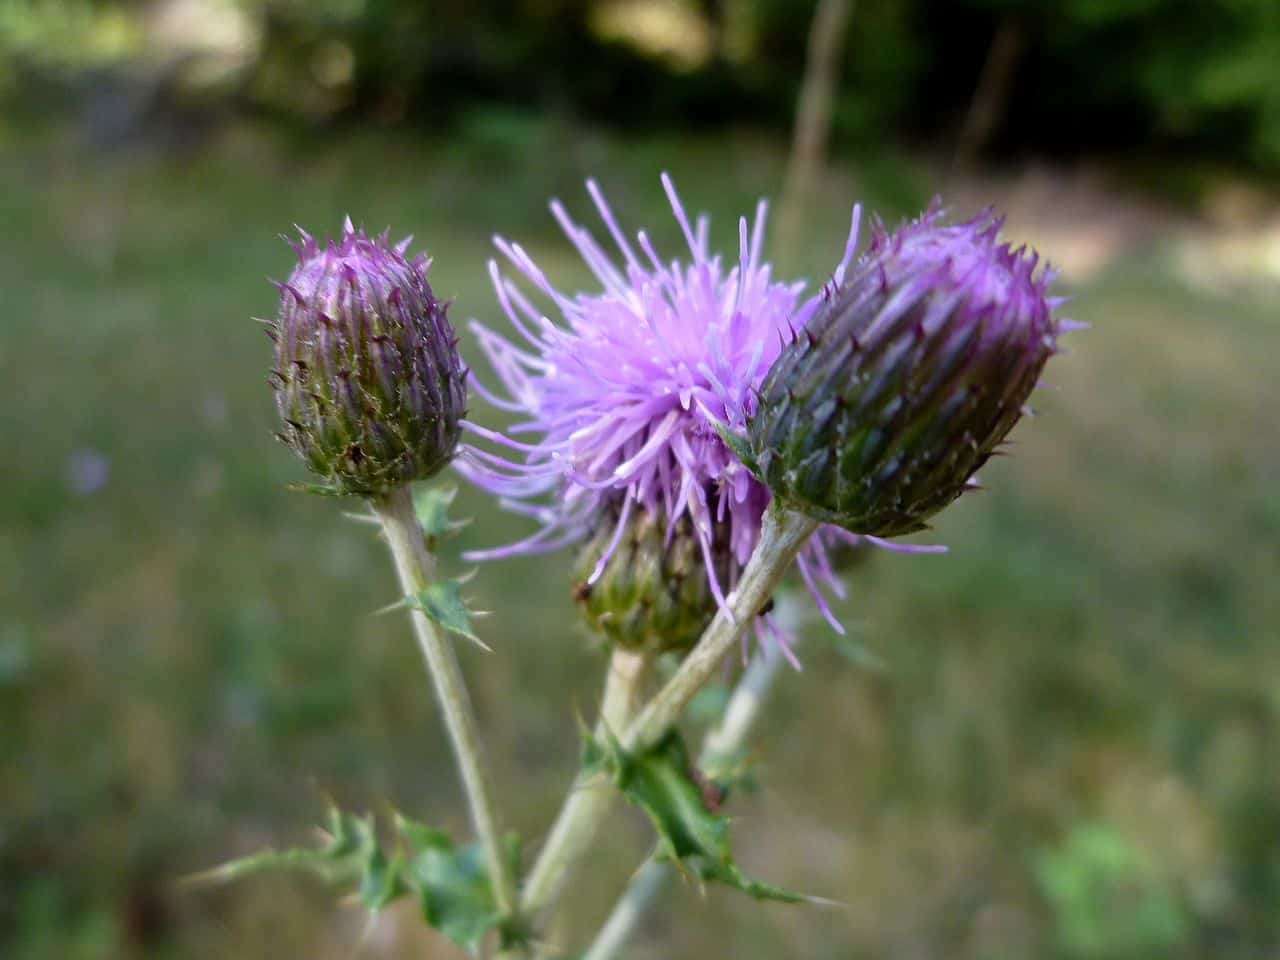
(620, 409)
(682, 433)
(371, 391)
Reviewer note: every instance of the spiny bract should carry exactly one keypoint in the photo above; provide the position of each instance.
(367, 376)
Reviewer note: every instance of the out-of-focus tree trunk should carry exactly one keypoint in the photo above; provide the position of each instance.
(813, 115)
(716, 14)
(991, 97)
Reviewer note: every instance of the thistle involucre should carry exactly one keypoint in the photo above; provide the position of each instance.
(367, 377)
(877, 414)
(653, 593)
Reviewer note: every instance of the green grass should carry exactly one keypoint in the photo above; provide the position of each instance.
(188, 665)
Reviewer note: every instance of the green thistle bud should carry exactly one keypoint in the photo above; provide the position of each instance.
(367, 376)
(648, 591)
(877, 414)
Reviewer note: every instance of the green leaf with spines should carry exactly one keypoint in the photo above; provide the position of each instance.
(659, 780)
(450, 883)
(349, 854)
(382, 881)
(432, 508)
(443, 604)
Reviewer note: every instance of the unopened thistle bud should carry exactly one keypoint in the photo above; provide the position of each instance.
(877, 414)
(368, 380)
(648, 589)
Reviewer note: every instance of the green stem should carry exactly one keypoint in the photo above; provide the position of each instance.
(416, 567)
(590, 797)
(725, 741)
(721, 746)
(629, 910)
(782, 535)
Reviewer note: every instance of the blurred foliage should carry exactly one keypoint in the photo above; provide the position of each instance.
(69, 31)
(1082, 75)
(1127, 73)
(1108, 902)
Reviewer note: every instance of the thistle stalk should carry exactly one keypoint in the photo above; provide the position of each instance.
(416, 568)
(782, 535)
(591, 797)
(629, 910)
(724, 740)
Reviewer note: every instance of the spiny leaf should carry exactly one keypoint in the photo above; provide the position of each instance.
(432, 507)
(349, 851)
(443, 604)
(383, 880)
(451, 883)
(659, 781)
(348, 834)
(315, 861)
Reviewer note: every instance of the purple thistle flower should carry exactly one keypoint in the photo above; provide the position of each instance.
(618, 403)
(368, 382)
(909, 378)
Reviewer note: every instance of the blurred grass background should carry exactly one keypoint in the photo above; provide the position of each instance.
(1068, 749)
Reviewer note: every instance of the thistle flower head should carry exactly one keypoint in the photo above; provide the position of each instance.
(653, 594)
(905, 381)
(617, 403)
(367, 377)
